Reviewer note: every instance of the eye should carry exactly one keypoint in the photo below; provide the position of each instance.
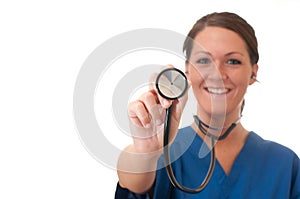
(204, 61)
(234, 62)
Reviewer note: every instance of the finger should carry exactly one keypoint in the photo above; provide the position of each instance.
(138, 113)
(152, 81)
(152, 86)
(151, 102)
(167, 66)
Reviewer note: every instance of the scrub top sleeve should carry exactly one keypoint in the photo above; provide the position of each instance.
(123, 193)
(296, 182)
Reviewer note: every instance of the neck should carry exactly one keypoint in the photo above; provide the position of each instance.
(217, 135)
(219, 124)
(238, 134)
(219, 121)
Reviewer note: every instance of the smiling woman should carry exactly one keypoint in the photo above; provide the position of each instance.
(217, 71)
(221, 63)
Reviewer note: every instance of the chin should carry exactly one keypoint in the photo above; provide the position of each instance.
(213, 110)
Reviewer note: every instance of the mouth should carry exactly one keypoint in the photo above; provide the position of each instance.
(217, 91)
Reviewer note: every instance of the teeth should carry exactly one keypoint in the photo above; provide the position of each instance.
(217, 90)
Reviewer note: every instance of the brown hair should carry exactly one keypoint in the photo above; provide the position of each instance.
(229, 21)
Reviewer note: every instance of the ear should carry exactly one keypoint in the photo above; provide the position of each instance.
(253, 74)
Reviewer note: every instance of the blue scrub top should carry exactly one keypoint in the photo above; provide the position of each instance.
(263, 169)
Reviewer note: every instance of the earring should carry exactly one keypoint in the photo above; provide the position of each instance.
(254, 78)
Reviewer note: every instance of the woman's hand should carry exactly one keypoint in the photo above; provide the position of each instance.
(138, 162)
(147, 116)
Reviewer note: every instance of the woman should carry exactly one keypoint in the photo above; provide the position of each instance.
(221, 62)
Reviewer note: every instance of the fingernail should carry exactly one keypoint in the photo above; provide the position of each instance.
(158, 122)
(148, 126)
(165, 103)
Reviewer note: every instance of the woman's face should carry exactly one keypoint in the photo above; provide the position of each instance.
(220, 71)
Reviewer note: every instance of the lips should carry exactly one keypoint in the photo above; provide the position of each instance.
(217, 91)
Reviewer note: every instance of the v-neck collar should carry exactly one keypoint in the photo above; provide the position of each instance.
(238, 162)
(226, 181)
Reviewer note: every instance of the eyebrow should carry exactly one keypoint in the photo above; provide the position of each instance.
(227, 54)
(230, 53)
(204, 52)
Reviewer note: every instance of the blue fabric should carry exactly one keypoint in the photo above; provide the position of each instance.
(122, 193)
(263, 169)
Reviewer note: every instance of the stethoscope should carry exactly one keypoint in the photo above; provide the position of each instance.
(172, 84)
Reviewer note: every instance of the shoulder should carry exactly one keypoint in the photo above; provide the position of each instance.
(270, 154)
(270, 148)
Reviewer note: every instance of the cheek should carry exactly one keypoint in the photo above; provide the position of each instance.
(194, 77)
(241, 84)
(197, 84)
(241, 80)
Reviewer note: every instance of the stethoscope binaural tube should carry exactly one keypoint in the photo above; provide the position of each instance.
(171, 84)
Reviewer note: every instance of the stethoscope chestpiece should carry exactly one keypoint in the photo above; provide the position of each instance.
(171, 83)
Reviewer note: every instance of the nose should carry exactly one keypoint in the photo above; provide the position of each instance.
(217, 72)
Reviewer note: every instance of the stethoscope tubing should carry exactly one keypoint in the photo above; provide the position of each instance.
(167, 128)
(167, 159)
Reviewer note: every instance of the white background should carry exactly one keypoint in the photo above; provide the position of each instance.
(43, 46)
